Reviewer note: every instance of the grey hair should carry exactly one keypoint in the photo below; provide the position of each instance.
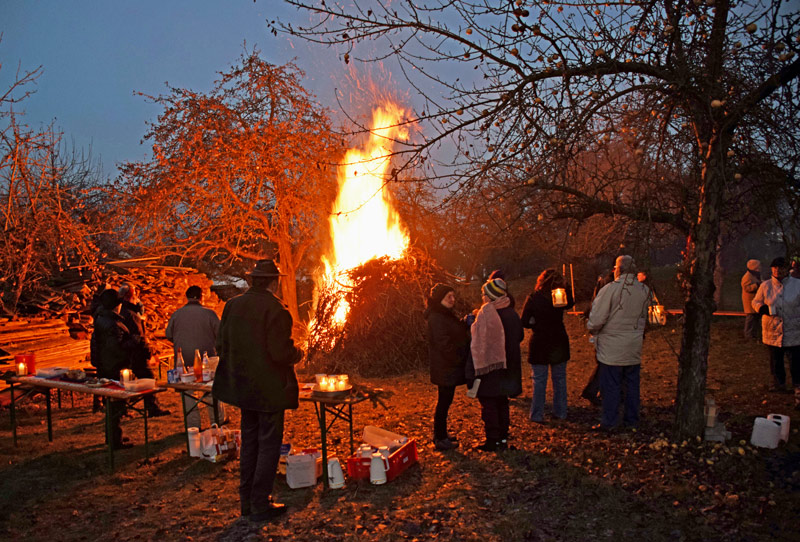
(624, 264)
(124, 288)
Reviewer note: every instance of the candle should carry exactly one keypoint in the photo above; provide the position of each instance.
(125, 376)
(559, 297)
(22, 369)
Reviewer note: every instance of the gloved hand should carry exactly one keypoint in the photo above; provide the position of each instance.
(763, 310)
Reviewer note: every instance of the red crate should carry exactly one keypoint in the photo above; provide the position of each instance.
(400, 460)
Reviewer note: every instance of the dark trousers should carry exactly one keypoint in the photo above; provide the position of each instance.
(140, 369)
(752, 325)
(777, 368)
(445, 399)
(613, 379)
(115, 411)
(496, 418)
(262, 435)
(592, 389)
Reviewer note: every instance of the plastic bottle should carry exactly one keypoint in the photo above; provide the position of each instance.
(206, 367)
(197, 366)
(180, 365)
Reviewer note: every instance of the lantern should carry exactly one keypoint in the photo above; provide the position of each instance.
(657, 315)
(559, 297)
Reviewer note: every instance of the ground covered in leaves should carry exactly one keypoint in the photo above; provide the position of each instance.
(562, 482)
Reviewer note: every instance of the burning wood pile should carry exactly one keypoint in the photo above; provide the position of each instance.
(385, 330)
(59, 331)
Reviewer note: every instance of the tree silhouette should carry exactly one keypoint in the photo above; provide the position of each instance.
(663, 111)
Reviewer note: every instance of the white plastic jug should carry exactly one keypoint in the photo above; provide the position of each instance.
(335, 474)
(195, 447)
(766, 433)
(377, 469)
(783, 421)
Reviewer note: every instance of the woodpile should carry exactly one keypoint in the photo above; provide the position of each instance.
(59, 333)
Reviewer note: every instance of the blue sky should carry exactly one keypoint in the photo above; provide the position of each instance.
(96, 54)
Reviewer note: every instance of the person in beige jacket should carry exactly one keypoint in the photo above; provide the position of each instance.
(617, 321)
(750, 282)
(778, 301)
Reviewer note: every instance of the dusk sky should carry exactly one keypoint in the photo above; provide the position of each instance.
(96, 54)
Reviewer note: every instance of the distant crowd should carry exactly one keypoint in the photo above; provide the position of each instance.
(482, 349)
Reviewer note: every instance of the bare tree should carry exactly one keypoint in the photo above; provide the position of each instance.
(692, 89)
(42, 201)
(238, 173)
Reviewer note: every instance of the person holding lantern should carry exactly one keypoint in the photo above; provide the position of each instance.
(549, 346)
(256, 373)
(617, 321)
(448, 345)
(496, 361)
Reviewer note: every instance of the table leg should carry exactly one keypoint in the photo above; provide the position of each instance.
(109, 436)
(146, 441)
(59, 398)
(324, 431)
(49, 416)
(185, 421)
(13, 411)
(350, 414)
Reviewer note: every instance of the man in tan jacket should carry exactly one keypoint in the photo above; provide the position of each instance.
(617, 321)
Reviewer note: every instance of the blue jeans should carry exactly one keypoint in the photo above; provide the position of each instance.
(558, 374)
(611, 382)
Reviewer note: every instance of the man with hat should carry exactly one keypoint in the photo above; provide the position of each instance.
(110, 348)
(617, 321)
(778, 301)
(256, 373)
(750, 283)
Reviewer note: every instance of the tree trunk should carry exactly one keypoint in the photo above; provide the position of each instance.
(701, 248)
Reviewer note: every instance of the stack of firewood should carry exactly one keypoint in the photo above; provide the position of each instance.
(59, 333)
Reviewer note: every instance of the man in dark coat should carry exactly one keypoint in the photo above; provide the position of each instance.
(256, 373)
(132, 312)
(448, 345)
(110, 347)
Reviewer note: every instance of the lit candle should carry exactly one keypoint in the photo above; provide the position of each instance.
(22, 369)
(559, 297)
(125, 376)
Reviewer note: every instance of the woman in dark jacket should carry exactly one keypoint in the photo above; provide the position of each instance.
(549, 346)
(448, 341)
(496, 361)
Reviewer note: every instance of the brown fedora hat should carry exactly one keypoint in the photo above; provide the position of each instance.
(266, 268)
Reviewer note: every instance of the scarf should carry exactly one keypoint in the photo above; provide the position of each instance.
(488, 345)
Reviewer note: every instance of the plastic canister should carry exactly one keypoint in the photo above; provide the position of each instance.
(195, 448)
(784, 422)
(377, 437)
(301, 470)
(766, 433)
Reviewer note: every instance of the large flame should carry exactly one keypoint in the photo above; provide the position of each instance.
(363, 224)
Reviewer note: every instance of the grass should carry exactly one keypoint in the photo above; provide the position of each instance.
(563, 482)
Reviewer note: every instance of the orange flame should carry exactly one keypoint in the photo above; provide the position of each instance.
(363, 224)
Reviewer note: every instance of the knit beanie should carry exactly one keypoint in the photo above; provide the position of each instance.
(495, 289)
(438, 292)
